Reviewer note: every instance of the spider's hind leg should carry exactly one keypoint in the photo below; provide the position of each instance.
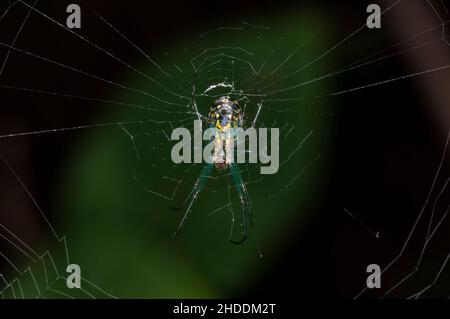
(245, 202)
(190, 199)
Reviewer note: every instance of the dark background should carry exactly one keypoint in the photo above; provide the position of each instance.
(388, 141)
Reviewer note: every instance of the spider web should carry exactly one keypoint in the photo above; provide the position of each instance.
(274, 87)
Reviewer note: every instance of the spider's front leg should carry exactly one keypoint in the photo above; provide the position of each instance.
(198, 187)
(245, 202)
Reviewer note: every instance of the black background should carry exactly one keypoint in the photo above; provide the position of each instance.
(387, 149)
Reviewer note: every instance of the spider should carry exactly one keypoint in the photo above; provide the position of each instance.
(224, 117)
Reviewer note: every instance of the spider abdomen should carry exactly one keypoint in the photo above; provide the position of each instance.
(225, 116)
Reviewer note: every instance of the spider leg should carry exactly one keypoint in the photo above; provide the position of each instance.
(245, 202)
(198, 187)
(199, 181)
(184, 202)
